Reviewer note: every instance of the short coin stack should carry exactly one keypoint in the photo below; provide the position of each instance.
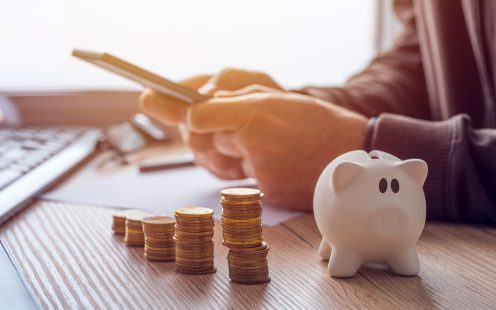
(119, 223)
(159, 242)
(243, 235)
(193, 235)
(249, 265)
(134, 228)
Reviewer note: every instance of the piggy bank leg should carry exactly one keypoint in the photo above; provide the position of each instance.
(405, 263)
(343, 264)
(325, 249)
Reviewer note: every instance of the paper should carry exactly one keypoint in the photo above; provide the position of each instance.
(103, 182)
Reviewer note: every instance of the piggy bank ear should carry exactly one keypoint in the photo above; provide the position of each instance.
(415, 169)
(344, 174)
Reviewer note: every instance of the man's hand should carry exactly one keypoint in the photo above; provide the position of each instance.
(158, 105)
(234, 79)
(282, 139)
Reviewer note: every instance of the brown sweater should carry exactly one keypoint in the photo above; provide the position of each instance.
(432, 96)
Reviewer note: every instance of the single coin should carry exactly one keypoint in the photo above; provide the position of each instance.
(138, 216)
(157, 220)
(122, 215)
(240, 192)
(240, 203)
(195, 221)
(194, 212)
(257, 220)
(250, 282)
(159, 258)
(193, 272)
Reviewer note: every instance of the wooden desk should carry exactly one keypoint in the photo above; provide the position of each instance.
(70, 258)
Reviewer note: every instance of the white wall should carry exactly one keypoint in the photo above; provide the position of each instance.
(298, 42)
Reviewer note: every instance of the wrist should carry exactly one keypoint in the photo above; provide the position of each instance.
(367, 145)
(359, 137)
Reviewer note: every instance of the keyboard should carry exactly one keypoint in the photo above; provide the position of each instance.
(31, 159)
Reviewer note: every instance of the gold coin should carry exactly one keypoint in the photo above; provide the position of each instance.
(240, 192)
(249, 281)
(159, 220)
(240, 204)
(249, 271)
(194, 272)
(242, 230)
(195, 221)
(241, 216)
(138, 216)
(160, 257)
(193, 251)
(122, 215)
(194, 212)
(264, 247)
(251, 220)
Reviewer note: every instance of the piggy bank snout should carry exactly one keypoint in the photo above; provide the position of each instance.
(389, 222)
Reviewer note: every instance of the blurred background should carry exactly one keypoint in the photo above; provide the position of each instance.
(56, 110)
(298, 42)
(312, 42)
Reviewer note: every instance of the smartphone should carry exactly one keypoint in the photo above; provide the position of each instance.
(140, 75)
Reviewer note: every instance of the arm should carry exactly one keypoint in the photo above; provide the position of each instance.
(393, 82)
(462, 167)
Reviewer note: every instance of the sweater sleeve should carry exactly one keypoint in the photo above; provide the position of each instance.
(461, 182)
(393, 82)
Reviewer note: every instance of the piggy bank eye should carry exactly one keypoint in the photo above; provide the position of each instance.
(395, 185)
(383, 185)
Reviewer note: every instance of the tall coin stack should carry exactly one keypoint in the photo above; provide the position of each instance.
(243, 235)
(194, 231)
(134, 235)
(159, 242)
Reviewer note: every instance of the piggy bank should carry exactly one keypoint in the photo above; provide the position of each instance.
(370, 208)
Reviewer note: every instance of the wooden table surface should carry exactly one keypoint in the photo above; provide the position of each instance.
(70, 258)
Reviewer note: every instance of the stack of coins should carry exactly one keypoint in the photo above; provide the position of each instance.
(134, 229)
(159, 242)
(243, 235)
(193, 235)
(249, 265)
(119, 223)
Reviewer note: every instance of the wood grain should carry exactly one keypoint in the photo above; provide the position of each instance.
(70, 258)
(457, 267)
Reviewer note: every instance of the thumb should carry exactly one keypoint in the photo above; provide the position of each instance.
(196, 82)
(220, 114)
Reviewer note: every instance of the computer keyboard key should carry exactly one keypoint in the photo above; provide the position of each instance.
(66, 136)
(21, 167)
(31, 145)
(14, 153)
(53, 145)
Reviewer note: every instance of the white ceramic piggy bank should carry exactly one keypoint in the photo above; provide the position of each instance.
(370, 208)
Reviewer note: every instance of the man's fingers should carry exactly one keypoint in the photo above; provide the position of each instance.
(166, 109)
(200, 143)
(251, 89)
(222, 166)
(195, 82)
(225, 143)
(220, 114)
(232, 79)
